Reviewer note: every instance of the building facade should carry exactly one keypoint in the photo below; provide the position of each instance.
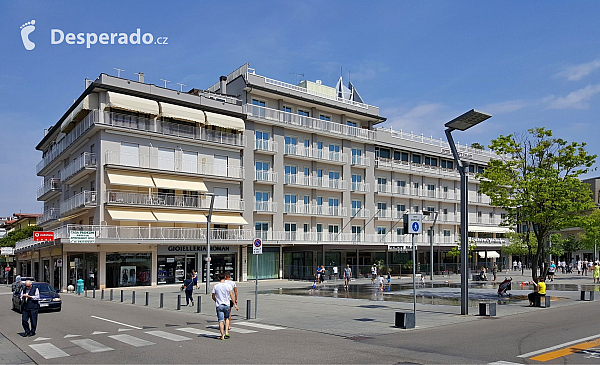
(129, 171)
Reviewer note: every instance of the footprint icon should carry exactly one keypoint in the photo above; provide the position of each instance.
(26, 30)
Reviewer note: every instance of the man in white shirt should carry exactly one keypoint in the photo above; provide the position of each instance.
(234, 300)
(222, 294)
(30, 298)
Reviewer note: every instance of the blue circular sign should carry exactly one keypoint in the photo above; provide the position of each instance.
(415, 226)
(257, 242)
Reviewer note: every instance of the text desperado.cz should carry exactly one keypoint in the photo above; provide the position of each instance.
(57, 36)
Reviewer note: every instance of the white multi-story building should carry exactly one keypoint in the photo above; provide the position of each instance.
(304, 167)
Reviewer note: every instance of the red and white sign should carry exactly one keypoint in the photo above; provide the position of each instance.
(39, 236)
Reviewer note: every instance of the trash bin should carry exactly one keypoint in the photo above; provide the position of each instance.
(79, 286)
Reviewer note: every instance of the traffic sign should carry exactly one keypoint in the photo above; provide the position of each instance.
(40, 236)
(59, 263)
(7, 251)
(257, 247)
(415, 225)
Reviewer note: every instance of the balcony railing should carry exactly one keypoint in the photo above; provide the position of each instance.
(388, 163)
(81, 200)
(314, 124)
(316, 182)
(361, 186)
(315, 153)
(49, 185)
(172, 165)
(389, 214)
(49, 215)
(170, 200)
(85, 161)
(265, 206)
(265, 175)
(313, 209)
(384, 188)
(267, 145)
(58, 148)
(360, 213)
(361, 161)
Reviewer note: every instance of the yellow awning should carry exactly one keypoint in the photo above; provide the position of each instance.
(228, 219)
(179, 183)
(182, 113)
(179, 217)
(131, 103)
(130, 178)
(225, 121)
(72, 216)
(131, 215)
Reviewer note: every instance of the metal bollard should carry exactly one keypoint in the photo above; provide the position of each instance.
(248, 308)
(85, 295)
(111, 295)
(102, 295)
(94, 293)
(161, 299)
(121, 296)
(178, 301)
(133, 297)
(147, 298)
(199, 301)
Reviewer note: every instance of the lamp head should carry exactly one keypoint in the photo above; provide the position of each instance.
(467, 120)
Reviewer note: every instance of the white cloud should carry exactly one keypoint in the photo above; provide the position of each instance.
(422, 118)
(508, 106)
(577, 72)
(578, 99)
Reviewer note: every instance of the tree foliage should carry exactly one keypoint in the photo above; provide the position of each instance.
(591, 227)
(536, 181)
(455, 250)
(19, 234)
(477, 146)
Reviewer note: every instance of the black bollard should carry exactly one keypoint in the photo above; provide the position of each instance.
(94, 293)
(178, 301)
(85, 294)
(111, 295)
(121, 296)
(102, 295)
(198, 309)
(133, 297)
(248, 308)
(161, 299)
(147, 298)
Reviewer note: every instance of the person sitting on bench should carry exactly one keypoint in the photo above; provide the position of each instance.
(539, 291)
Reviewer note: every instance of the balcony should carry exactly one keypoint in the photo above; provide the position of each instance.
(384, 188)
(266, 176)
(179, 130)
(173, 165)
(311, 153)
(266, 145)
(360, 161)
(82, 165)
(49, 215)
(389, 214)
(360, 213)
(49, 189)
(265, 207)
(172, 201)
(360, 187)
(313, 209)
(312, 124)
(315, 182)
(83, 200)
(398, 165)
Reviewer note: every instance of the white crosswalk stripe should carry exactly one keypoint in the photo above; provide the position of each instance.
(234, 329)
(168, 336)
(91, 345)
(48, 350)
(198, 331)
(260, 325)
(130, 340)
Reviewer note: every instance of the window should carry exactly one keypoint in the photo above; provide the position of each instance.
(334, 202)
(351, 124)
(303, 113)
(92, 148)
(306, 200)
(384, 153)
(356, 205)
(91, 221)
(431, 161)
(220, 198)
(166, 159)
(291, 170)
(397, 155)
(325, 117)
(130, 154)
(290, 199)
(305, 227)
(480, 170)
(401, 184)
(356, 232)
(404, 157)
(319, 145)
(306, 143)
(307, 171)
(262, 140)
(291, 140)
(334, 175)
(446, 233)
(416, 186)
(334, 151)
(261, 196)
(319, 200)
(381, 181)
(333, 228)
(189, 162)
(400, 207)
(356, 178)
(472, 168)
(399, 231)
(319, 173)
(287, 109)
(258, 108)
(258, 102)
(431, 209)
(290, 231)
(416, 159)
(381, 230)
(447, 164)
(381, 206)
(220, 167)
(262, 170)
(416, 209)
(93, 185)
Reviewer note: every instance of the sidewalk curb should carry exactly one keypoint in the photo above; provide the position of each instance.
(11, 353)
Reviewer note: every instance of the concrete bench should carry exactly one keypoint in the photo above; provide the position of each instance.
(483, 309)
(538, 302)
(405, 320)
(591, 295)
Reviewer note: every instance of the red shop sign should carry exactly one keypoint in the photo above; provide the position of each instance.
(39, 236)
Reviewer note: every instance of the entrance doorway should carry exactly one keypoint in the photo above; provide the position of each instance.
(219, 263)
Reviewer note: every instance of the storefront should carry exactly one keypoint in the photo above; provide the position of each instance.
(81, 266)
(128, 269)
(175, 262)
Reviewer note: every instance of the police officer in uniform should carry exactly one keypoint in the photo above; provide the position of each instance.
(30, 298)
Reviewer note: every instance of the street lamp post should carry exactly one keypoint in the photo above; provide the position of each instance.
(208, 221)
(435, 217)
(462, 123)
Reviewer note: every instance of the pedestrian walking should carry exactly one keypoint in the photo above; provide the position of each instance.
(551, 271)
(347, 276)
(515, 265)
(520, 265)
(373, 274)
(188, 284)
(579, 267)
(318, 275)
(234, 300)
(222, 294)
(195, 278)
(596, 272)
(322, 278)
(495, 271)
(30, 304)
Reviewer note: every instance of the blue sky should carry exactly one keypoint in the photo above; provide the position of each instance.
(422, 62)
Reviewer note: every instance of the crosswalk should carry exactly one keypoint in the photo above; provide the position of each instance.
(141, 338)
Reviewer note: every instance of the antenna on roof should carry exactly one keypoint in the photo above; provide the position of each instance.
(165, 81)
(297, 76)
(181, 86)
(118, 71)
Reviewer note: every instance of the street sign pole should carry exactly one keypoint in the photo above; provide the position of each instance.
(414, 265)
(415, 227)
(256, 250)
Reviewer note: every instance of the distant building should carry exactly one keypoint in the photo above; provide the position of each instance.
(17, 221)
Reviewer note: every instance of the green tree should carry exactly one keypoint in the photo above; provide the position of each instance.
(535, 179)
(477, 146)
(571, 244)
(591, 227)
(455, 250)
(18, 234)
